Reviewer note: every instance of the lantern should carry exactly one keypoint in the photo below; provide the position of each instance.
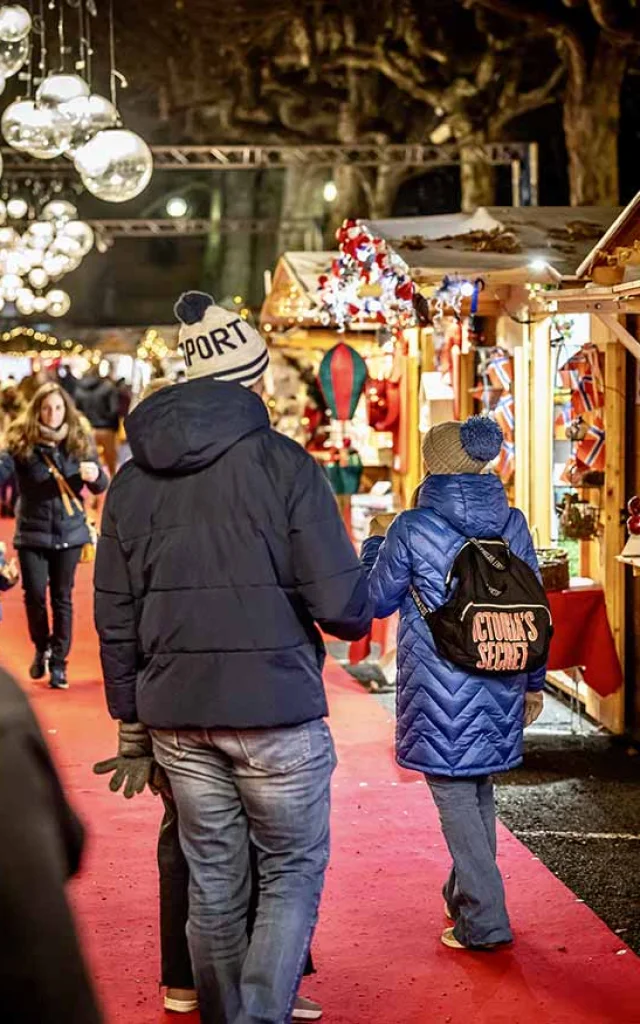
(343, 374)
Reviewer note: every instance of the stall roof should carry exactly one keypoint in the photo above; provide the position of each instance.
(622, 233)
(497, 238)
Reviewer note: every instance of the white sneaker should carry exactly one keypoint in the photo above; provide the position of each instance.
(306, 1009)
(184, 1002)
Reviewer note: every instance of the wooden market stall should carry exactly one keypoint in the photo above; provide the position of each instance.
(606, 288)
(487, 278)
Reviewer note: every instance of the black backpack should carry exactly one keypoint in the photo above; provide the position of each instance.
(497, 620)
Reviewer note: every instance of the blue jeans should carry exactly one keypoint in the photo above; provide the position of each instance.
(271, 786)
(474, 891)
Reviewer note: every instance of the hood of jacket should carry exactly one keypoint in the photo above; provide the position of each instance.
(475, 505)
(184, 428)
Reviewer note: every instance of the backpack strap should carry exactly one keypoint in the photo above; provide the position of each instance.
(420, 605)
(68, 496)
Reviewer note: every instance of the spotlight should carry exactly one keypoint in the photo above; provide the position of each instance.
(538, 266)
(330, 192)
(177, 207)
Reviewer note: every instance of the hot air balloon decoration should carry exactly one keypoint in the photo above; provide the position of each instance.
(343, 375)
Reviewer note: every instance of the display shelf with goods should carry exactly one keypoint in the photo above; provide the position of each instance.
(300, 328)
(605, 290)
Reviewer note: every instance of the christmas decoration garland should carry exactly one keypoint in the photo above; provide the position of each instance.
(368, 282)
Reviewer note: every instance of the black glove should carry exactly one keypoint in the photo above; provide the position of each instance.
(134, 764)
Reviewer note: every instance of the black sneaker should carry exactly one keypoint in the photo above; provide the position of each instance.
(38, 667)
(58, 680)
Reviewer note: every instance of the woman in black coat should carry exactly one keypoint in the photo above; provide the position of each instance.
(51, 453)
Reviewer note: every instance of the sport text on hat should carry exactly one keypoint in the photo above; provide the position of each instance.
(218, 343)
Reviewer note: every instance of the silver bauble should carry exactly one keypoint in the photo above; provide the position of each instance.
(40, 234)
(58, 302)
(59, 209)
(13, 56)
(15, 23)
(116, 165)
(87, 116)
(58, 89)
(44, 134)
(25, 300)
(81, 233)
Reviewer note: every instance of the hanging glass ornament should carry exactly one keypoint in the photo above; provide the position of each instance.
(81, 234)
(8, 237)
(17, 208)
(25, 302)
(40, 234)
(55, 265)
(40, 304)
(38, 278)
(58, 89)
(15, 23)
(13, 56)
(87, 116)
(43, 134)
(15, 262)
(66, 246)
(58, 302)
(59, 209)
(10, 285)
(116, 165)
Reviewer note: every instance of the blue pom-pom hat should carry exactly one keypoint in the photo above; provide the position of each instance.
(450, 448)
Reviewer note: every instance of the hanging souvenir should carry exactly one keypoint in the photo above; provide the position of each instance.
(342, 375)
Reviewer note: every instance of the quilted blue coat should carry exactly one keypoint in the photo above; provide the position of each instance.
(448, 722)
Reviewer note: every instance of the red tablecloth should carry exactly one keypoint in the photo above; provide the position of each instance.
(583, 638)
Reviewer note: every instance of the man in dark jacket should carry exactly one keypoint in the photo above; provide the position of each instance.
(99, 400)
(221, 548)
(43, 977)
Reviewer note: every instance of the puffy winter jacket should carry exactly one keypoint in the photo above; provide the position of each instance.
(448, 722)
(99, 400)
(42, 520)
(221, 544)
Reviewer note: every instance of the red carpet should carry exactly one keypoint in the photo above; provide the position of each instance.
(377, 950)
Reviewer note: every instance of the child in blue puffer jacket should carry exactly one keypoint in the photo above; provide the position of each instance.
(456, 728)
(9, 574)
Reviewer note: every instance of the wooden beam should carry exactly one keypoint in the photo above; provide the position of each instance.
(621, 334)
(541, 412)
(610, 710)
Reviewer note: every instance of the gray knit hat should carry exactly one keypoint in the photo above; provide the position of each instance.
(469, 447)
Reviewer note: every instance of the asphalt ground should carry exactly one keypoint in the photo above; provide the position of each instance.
(575, 803)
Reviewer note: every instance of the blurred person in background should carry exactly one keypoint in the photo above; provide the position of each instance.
(99, 400)
(43, 977)
(11, 406)
(50, 451)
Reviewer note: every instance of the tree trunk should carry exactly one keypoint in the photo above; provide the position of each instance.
(303, 201)
(477, 177)
(591, 117)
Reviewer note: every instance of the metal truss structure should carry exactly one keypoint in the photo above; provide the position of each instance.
(145, 227)
(250, 157)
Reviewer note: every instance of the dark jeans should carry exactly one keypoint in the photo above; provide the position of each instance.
(42, 567)
(474, 891)
(174, 902)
